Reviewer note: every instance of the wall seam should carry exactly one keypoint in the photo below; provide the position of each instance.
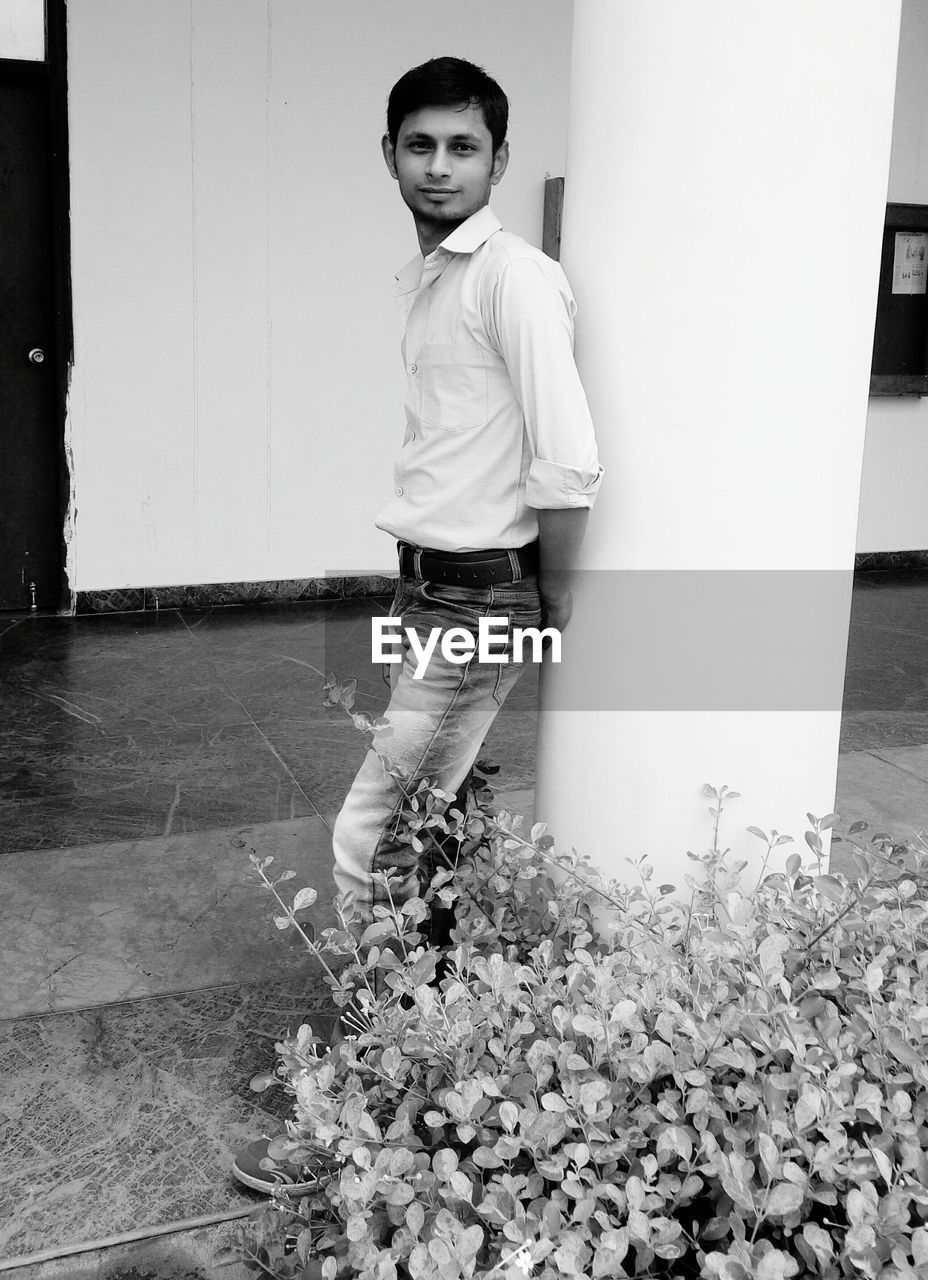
(269, 407)
(195, 289)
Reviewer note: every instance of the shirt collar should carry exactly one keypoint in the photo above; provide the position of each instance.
(467, 238)
(473, 232)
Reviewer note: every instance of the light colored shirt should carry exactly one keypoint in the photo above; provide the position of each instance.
(497, 422)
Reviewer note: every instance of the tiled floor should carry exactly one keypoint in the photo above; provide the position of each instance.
(131, 725)
(141, 758)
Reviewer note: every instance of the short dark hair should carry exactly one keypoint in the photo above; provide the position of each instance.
(447, 82)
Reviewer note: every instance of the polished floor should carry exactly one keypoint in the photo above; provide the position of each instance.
(129, 725)
(142, 758)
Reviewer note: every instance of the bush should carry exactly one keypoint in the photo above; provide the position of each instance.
(612, 1081)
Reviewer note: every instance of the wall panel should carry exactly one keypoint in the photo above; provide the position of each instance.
(236, 398)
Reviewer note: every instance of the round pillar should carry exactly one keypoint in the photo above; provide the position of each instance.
(724, 202)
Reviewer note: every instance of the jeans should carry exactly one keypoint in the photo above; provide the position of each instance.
(437, 725)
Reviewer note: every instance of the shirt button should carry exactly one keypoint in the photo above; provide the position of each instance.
(413, 368)
(412, 436)
(399, 493)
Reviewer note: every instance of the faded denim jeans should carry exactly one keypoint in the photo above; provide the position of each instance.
(437, 726)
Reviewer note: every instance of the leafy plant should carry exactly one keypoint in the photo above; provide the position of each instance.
(615, 1079)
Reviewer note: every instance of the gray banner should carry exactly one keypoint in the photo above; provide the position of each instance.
(730, 640)
(685, 640)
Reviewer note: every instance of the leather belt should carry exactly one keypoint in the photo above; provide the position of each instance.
(468, 568)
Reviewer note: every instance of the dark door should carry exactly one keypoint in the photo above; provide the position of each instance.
(30, 511)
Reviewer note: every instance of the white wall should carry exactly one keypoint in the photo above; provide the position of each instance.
(22, 30)
(236, 399)
(893, 506)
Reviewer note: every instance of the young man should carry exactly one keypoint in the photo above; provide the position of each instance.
(497, 472)
(498, 468)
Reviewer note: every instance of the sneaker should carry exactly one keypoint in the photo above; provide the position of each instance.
(288, 1178)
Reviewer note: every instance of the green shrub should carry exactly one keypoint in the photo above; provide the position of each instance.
(617, 1079)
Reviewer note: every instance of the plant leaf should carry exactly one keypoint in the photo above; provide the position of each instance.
(783, 1199)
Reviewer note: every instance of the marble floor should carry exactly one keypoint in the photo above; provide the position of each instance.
(142, 758)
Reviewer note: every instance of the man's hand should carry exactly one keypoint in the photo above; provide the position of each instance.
(560, 533)
(556, 608)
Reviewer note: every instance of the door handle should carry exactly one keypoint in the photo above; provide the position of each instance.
(36, 356)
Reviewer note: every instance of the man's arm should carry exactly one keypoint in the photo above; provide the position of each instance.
(560, 536)
(532, 319)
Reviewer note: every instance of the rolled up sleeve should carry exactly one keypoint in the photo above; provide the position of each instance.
(551, 484)
(532, 315)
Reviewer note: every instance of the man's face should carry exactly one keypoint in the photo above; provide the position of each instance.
(444, 163)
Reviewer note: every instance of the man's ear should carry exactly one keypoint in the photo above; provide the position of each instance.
(500, 161)
(389, 154)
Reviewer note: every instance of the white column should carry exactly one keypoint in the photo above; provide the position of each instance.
(726, 184)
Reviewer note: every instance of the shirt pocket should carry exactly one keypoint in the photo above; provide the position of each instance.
(455, 386)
